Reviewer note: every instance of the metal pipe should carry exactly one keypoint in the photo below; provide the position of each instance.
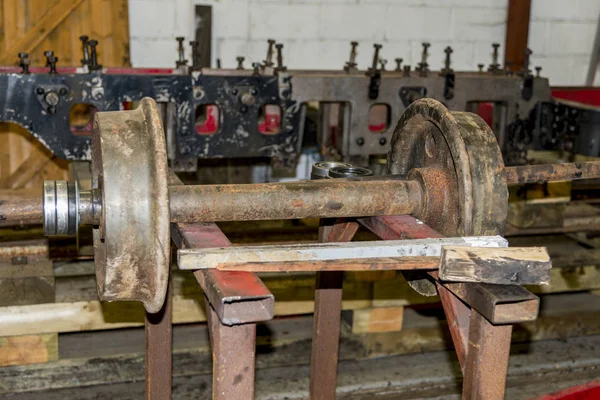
(293, 200)
(552, 172)
(14, 212)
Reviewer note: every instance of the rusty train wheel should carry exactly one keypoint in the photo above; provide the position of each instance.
(132, 242)
(464, 179)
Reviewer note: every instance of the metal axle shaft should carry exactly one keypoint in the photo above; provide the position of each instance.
(65, 205)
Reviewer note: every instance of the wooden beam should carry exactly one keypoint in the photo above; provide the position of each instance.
(28, 349)
(517, 33)
(329, 256)
(40, 30)
(508, 266)
(379, 319)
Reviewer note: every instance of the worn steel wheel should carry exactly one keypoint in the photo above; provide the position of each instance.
(465, 182)
(132, 243)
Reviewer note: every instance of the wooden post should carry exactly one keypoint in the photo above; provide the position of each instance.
(517, 33)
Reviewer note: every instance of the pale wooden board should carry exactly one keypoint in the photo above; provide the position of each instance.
(506, 266)
(220, 257)
(381, 319)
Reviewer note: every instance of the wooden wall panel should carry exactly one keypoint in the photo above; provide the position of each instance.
(104, 20)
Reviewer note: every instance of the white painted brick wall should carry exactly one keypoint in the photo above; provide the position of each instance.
(316, 33)
(561, 34)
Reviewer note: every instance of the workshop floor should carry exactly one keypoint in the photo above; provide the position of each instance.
(535, 368)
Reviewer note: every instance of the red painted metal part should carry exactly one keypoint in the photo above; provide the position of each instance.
(587, 391)
(582, 94)
(482, 348)
(238, 297)
(235, 301)
(457, 315)
(327, 317)
(110, 70)
(399, 227)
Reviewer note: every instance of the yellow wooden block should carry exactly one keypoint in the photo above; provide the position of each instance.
(28, 349)
(384, 319)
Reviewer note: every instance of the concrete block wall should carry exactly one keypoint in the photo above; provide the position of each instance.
(316, 33)
(561, 34)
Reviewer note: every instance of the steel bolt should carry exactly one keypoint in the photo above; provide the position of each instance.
(85, 50)
(360, 141)
(382, 63)
(240, 61)
(377, 47)
(382, 141)
(51, 61)
(94, 56)
(269, 59)
(24, 62)
(279, 47)
(51, 98)
(398, 64)
(351, 64)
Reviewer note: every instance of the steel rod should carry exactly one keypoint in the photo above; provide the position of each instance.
(552, 172)
(26, 211)
(305, 199)
(293, 200)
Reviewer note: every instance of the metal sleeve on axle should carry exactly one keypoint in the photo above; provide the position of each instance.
(293, 200)
(60, 208)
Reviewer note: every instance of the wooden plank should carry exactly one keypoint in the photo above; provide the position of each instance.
(26, 284)
(28, 349)
(28, 169)
(570, 280)
(381, 319)
(367, 264)
(507, 266)
(401, 250)
(95, 315)
(40, 30)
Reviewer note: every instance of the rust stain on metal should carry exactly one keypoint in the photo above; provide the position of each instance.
(233, 354)
(487, 359)
(327, 316)
(298, 203)
(294, 200)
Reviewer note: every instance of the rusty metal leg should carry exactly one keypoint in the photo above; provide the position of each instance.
(327, 318)
(233, 355)
(483, 349)
(235, 301)
(487, 359)
(159, 350)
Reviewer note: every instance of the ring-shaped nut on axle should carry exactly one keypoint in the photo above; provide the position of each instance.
(131, 241)
(61, 208)
(456, 157)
